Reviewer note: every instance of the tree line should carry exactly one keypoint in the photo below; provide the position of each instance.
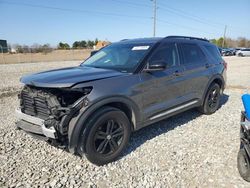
(78, 44)
(241, 42)
(89, 44)
(36, 48)
(46, 48)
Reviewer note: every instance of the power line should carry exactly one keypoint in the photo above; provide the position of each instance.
(130, 3)
(170, 11)
(73, 10)
(142, 5)
(186, 27)
(197, 18)
(181, 13)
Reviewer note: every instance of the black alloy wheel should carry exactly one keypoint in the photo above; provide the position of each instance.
(107, 135)
(212, 99)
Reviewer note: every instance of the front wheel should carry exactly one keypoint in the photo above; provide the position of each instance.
(243, 164)
(108, 133)
(212, 100)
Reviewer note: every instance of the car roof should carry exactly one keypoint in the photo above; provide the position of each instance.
(141, 40)
(153, 40)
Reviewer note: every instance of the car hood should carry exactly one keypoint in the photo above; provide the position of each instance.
(67, 77)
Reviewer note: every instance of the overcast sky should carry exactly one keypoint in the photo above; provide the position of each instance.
(46, 21)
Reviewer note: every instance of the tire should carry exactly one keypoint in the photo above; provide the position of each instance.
(240, 55)
(107, 135)
(212, 100)
(243, 164)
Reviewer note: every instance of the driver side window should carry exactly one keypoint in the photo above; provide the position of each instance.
(166, 53)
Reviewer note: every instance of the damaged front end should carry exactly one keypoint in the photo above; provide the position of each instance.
(46, 112)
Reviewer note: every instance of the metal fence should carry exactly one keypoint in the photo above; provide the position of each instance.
(31, 55)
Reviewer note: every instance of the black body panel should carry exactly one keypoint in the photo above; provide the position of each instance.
(67, 77)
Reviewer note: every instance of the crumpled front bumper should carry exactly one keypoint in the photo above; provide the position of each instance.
(34, 125)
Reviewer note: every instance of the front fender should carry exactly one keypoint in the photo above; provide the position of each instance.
(78, 122)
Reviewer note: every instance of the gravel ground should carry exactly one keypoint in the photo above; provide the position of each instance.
(10, 74)
(188, 150)
(238, 72)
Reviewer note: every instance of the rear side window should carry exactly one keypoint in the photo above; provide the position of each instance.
(213, 51)
(192, 54)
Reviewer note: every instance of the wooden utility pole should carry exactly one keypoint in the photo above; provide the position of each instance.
(224, 37)
(154, 17)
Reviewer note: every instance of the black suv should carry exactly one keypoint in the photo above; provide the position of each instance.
(92, 109)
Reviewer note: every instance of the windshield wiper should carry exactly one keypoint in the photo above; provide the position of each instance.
(93, 66)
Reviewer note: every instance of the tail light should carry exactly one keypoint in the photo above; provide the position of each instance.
(224, 64)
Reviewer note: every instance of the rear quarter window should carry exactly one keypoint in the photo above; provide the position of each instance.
(213, 52)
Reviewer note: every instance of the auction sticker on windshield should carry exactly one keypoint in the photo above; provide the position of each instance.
(140, 48)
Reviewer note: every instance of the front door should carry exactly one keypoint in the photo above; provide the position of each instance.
(162, 89)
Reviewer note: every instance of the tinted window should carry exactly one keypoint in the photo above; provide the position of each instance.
(213, 52)
(192, 54)
(165, 53)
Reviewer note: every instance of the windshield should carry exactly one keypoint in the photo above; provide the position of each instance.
(121, 57)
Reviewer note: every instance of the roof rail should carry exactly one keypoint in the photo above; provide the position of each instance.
(190, 38)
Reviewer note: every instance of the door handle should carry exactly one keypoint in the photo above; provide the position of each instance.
(207, 65)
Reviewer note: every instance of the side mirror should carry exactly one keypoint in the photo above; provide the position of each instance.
(93, 52)
(155, 66)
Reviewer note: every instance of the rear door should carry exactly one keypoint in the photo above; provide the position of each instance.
(197, 70)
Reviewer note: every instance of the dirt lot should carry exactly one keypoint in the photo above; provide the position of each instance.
(56, 55)
(188, 150)
(238, 72)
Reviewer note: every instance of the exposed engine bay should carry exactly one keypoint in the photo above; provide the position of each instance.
(55, 107)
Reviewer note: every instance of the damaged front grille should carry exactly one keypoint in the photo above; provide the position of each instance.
(38, 103)
(55, 106)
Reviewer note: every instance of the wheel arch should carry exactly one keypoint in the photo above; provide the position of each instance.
(215, 79)
(77, 124)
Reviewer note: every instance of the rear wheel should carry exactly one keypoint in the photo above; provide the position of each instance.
(108, 133)
(212, 100)
(243, 164)
(240, 55)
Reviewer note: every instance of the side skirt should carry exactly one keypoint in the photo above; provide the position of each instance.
(169, 113)
(173, 110)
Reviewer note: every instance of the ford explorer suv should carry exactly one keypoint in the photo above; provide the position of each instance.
(93, 108)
